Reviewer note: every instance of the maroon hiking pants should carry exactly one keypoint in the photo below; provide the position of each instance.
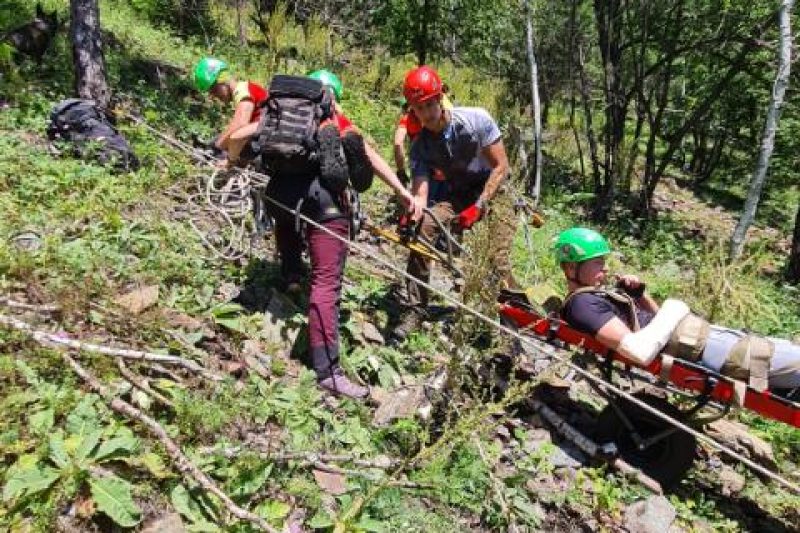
(328, 256)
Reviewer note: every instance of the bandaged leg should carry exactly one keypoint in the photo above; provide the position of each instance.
(785, 365)
(643, 346)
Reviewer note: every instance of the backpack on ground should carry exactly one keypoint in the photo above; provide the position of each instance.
(90, 133)
(286, 138)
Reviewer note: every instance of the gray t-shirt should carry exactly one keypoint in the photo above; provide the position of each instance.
(456, 150)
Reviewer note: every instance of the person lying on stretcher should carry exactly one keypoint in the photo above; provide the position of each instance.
(628, 320)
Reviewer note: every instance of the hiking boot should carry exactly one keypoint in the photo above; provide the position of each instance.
(339, 384)
(333, 169)
(409, 321)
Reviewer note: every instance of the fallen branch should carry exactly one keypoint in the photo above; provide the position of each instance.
(179, 459)
(8, 302)
(141, 384)
(50, 339)
(591, 448)
(322, 462)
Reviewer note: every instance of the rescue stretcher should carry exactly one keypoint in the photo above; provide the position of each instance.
(646, 441)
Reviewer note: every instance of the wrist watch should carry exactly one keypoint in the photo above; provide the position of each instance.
(481, 204)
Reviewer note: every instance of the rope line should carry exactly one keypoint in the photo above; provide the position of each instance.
(606, 386)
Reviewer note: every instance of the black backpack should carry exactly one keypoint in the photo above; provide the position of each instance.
(286, 137)
(81, 123)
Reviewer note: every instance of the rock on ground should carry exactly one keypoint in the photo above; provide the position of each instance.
(652, 515)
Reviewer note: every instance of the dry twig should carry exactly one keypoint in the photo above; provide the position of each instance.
(179, 459)
(322, 462)
(51, 339)
(13, 304)
(141, 384)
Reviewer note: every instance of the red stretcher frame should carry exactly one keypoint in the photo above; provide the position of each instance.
(682, 374)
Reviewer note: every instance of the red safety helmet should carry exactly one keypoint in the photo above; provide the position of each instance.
(421, 84)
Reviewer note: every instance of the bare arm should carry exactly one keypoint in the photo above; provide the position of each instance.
(399, 148)
(387, 175)
(420, 190)
(239, 139)
(644, 345)
(496, 155)
(241, 118)
(610, 335)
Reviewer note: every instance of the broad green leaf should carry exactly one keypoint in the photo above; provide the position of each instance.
(203, 527)
(113, 497)
(321, 520)
(232, 323)
(274, 510)
(58, 450)
(27, 481)
(250, 481)
(88, 444)
(84, 418)
(42, 421)
(370, 524)
(142, 399)
(183, 502)
(116, 445)
(155, 465)
(28, 373)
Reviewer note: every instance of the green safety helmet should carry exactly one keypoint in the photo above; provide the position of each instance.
(577, 245)
(326, 77)
(207, 71)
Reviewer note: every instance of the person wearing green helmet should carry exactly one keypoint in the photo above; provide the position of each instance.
(582, 254)
(211, 75)
(625, 318)
(329, 79)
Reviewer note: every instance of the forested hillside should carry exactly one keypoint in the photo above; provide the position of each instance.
(154, 371)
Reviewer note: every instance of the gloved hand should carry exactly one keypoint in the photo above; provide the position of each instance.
(470, 216)
(405, 226)
(632, 286)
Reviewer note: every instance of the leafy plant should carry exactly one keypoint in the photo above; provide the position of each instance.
(71, 462)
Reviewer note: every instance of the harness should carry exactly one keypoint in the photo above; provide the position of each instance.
(614, 295)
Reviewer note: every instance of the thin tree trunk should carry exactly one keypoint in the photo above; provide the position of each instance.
(793, 268)
(608, 18)
(424, 20)
(587, 111)
(87, 52)
(537, 110)
(770, 127)
(241, 22)
(571, 77)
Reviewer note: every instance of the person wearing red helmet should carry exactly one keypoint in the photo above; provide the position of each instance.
(466, 145)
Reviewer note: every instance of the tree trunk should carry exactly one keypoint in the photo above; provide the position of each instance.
(537, 110)
(793, 269)
(587, 112)
(608, 18)
(770, 127)
(241, 22)
(571, 77)
(87, 52)
(424, 20)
